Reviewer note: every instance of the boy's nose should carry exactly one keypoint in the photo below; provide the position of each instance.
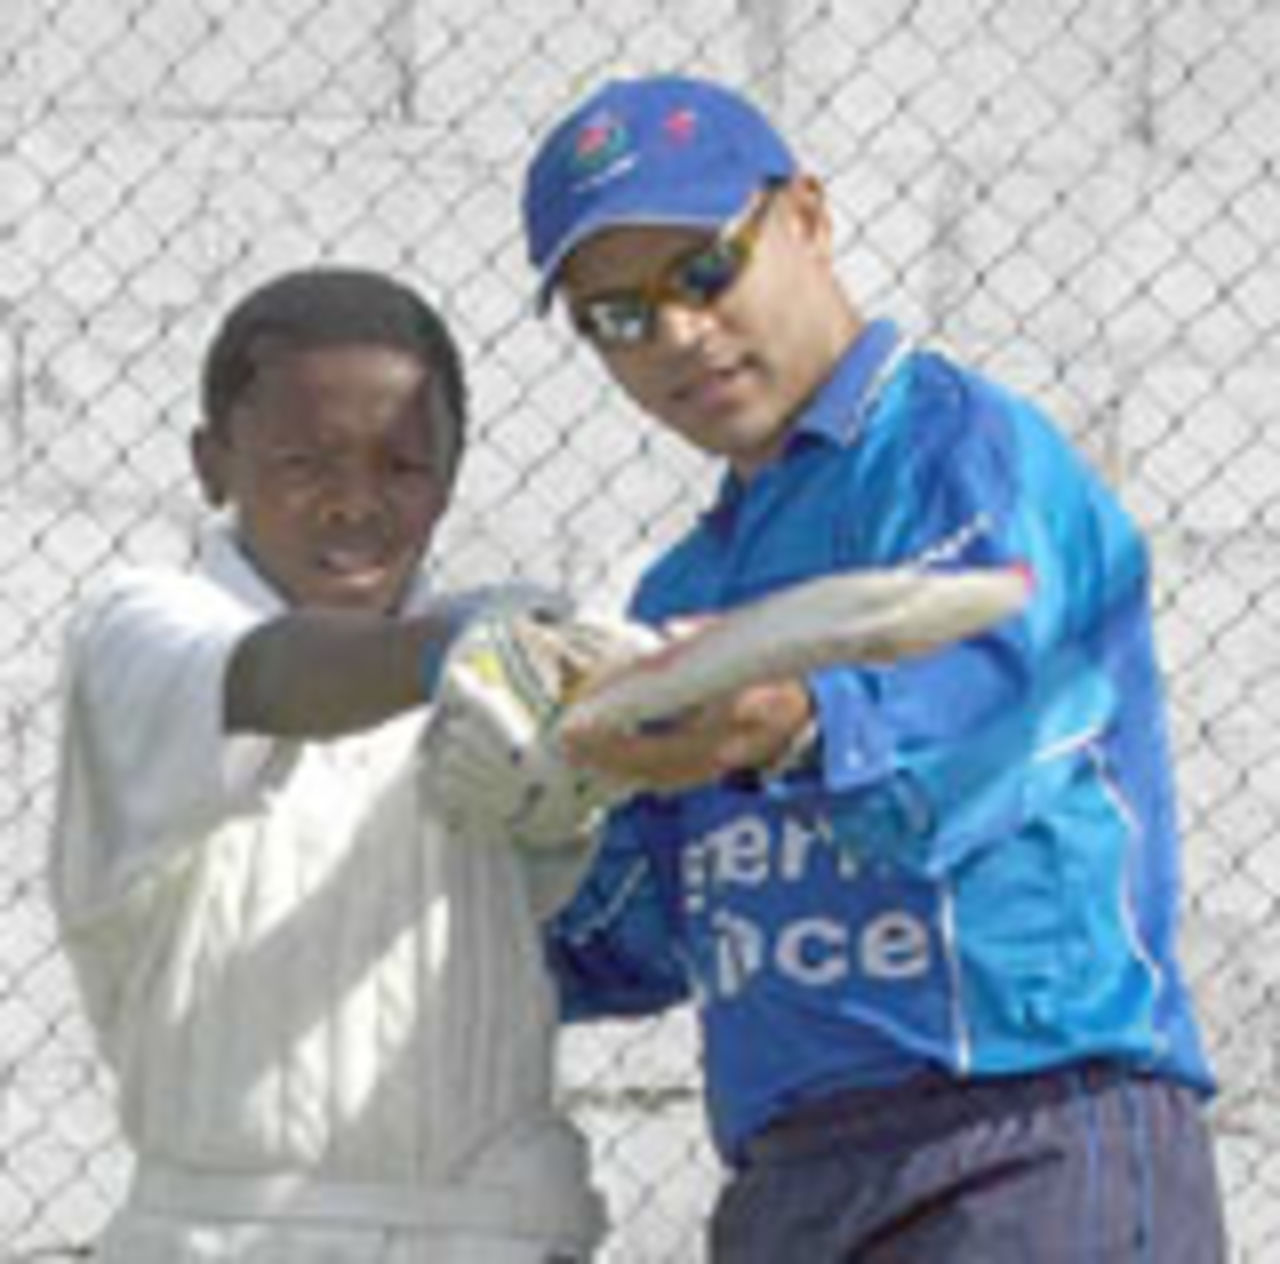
(354, 495)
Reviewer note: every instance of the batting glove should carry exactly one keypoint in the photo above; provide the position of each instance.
(496, 767)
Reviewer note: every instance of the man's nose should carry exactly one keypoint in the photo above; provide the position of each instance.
(681, 325)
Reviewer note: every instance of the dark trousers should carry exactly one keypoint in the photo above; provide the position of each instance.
(1089, 1165)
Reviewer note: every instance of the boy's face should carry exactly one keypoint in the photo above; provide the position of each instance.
(338, 463)
(730, 376)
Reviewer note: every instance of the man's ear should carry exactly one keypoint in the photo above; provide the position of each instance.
(807, 201)
(210, 453)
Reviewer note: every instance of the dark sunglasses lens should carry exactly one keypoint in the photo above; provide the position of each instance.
(710, 272)
(615, 321)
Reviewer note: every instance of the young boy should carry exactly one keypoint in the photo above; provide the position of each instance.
(327, 1014)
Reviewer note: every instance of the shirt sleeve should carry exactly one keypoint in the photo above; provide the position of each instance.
(613, 950)
(925, 760)
(147, 765)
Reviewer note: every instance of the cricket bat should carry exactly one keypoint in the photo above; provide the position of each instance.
(869, 617)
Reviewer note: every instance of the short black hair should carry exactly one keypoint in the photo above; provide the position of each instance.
(328, 306)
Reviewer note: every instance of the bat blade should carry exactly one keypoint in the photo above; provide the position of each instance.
(868, 617)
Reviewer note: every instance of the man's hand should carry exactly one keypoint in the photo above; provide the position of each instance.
(756, 728)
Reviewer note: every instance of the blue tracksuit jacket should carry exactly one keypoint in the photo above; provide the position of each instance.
(978, 869)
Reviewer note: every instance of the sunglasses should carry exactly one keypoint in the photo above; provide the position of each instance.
(696, 279)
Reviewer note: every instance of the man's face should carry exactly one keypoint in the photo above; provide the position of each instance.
(729, 376)
(338, 462)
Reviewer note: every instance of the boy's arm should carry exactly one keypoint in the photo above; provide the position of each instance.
(326, 673)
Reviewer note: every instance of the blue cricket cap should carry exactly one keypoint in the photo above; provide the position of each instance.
(664, 150)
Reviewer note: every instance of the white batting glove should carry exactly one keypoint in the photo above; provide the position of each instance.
(495, 764)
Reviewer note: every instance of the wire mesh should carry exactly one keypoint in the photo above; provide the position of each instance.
(1081, 196)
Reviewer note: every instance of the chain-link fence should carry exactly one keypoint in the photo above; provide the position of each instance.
(1081, 195)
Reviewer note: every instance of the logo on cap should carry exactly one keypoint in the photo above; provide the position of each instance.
(600, 141)
(680, 126)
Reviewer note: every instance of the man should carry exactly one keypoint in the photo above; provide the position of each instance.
(933, 941)
(325, 1007)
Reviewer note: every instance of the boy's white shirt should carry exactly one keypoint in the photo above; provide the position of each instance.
(291, 968)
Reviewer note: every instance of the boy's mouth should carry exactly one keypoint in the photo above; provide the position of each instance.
(356, 567)
(353, 553)
(351, 562)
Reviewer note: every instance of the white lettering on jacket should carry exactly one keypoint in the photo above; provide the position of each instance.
(814, 950)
